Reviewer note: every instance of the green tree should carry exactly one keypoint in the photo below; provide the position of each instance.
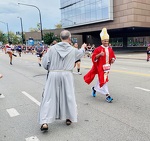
(33, 29)
(3, 37)
(15, 39)
(50, 37)
(36, 29)
(58, 26)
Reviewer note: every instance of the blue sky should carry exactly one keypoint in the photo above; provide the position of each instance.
(10, 10)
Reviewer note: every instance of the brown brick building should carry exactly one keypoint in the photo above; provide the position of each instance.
(128, 29)
(37, 35)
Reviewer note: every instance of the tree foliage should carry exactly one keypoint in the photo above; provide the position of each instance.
(36, 29)
(15, 39)
(33, 29)
(3, 37)
(50, 37)
(58, 26)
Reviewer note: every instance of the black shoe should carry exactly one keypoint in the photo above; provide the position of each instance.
(10, 63)
(14, 55)
(109, 99)
(68, 122)
(39, 64)
(44, 127)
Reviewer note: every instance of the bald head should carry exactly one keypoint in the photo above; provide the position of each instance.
(65, 34)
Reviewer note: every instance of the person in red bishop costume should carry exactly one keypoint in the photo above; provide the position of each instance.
(102, 58)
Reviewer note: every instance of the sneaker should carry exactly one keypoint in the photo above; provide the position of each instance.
(39, 64)
(93, 92)
(14, 55)
(79, 73)
(109, 99)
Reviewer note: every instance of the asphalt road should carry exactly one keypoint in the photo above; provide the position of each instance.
(126, 119)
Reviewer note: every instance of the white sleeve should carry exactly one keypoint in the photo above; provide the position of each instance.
(79, 53)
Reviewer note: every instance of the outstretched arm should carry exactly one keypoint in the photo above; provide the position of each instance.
(80, 53)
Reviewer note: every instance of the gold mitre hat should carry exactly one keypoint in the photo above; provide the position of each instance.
(104, 35)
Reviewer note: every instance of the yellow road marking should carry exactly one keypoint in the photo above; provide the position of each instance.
(133, 73)
(126, 72)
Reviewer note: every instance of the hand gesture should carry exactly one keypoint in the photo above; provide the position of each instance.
(84, 46)
(101, 53)
(112, 61)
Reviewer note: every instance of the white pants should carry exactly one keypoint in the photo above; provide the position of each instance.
(103, 90)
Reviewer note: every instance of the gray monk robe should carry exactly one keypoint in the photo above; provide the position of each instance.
(59, 95)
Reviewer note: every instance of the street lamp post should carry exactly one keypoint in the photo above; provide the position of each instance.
(7, 29)
(21, 29)
(39, 16)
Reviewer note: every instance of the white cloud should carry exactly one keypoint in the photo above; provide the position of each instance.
(9, 11)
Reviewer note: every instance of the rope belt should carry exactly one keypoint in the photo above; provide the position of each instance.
(60, 70)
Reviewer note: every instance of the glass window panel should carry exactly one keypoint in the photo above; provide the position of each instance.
(81, 3)
(105, 13)
(78, 11)
(62, 11)
(62, 16)
(138, 41)
(88, 17)
(98, 5)
(74, 20)
(75, 11)
(116, 42)
(77, 5)
(73, 6)
(93, 15)
(78, 19)
(70, 14)
(105, 3)
(73, 1)
(65, 15)
(87, 8)
(93, 7)
(86, 2)
(99, 15)
(82, 18)
(82, 10)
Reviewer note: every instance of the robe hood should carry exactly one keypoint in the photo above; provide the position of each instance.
(63, 48)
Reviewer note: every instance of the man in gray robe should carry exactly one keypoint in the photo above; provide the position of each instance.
(59, 95)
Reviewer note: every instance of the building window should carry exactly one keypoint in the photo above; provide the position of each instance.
(116, 42)
(138, 41)
(93, 11)
(74, 40)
